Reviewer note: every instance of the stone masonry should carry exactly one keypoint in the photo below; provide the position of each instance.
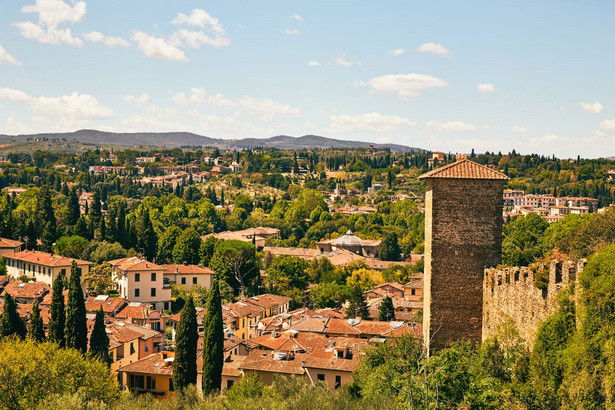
(510, 295)
(463, 236)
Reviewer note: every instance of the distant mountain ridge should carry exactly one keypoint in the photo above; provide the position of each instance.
(178, 139)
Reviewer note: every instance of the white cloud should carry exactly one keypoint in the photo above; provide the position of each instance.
(52, 13)
(562, 108)
(519, 129)
(68, 107)
(167, 112)
(486, 88)
(449, 126)
(266, 109)
(433, 48)
(369, 122)
(109, 41)
(151, 123)
(405, 85)
(341, 60)
(200, 18)
(296, 17)
(314, 63)
(491, 127)
(157, 47)
(198, 97)
(5, 57)
(137, 100)
(397, 51)
(592, 107)
(608, 125)
(291, 32)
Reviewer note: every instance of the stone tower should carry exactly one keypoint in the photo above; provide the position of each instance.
(463, 236)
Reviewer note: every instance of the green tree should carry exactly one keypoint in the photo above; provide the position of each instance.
(146, 236)
(71, 246)
(95, 208)
(187, 247)
(207, 249)
(386, 311)
(166, 243)
(2, 267)
(213, 341)
(99, 341)
(44, 211)
(76, 332)
(357, 305)
(235, 262)
(389, 247)
(184, 364)
(520, 245)
(10, 321)
(244, 202)
(99, 279)
(74, 211)
(57, 314)
(35, 325)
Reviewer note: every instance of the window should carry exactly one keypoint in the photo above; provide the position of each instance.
(151, 383)
(320, 377)
(146, 348)
(137, 292)
(156, 325)
(194, 281)
(132, 347)
(413, 292)
(229, 384)
(153, 292)
(166, 306)
(137, 277)
(183, 281)
(137, 381)
(338, 381)
(153, 276)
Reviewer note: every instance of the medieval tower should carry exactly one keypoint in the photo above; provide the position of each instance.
(463, 236)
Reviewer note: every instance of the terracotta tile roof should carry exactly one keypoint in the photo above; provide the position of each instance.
(24, 310)
(122, 333)
(265, 362)
(415, 282)
(306, 253)
(9, 243)
(29, 290)
(109, 305)
(313, 324)
(137, 310)
(44, 258)
(329, 312)
(231, 365)
(187, 269)
(242, 309)
(268, 300)
(340, 327)
(327, 359)
(303, 341)
(464, 169)
(152, 364)
(47, 299)
(135, 264)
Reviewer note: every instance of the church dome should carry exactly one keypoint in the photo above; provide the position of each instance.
(348, 239)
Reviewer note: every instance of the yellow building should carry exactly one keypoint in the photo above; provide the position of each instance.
(152, 374)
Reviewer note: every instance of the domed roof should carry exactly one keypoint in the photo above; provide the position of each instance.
(348, 239)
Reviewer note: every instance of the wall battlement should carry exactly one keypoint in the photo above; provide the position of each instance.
(509, 294)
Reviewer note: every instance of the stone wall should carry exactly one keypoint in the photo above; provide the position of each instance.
(463, 236)
(510, 294)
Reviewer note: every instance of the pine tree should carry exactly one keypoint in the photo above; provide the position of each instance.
(213, 341)
(74, 212)
(2, 267)
(357, 305)
(35, 326)
(10, 322)
(44, 211)
(76, 325)
(184, 364)
(95, 209)
(57, 314)
(389, 248)
(120, 231)
(103, 229)
(387, 311)
(187, 247)
(146, 236)
(222, 197)
(99, 341)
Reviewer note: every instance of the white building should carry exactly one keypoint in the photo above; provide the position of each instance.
(141, 281)
(42, 266)
(189, 275)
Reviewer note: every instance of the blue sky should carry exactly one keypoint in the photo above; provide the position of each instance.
(442, 75)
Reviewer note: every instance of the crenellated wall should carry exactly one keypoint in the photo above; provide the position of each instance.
(510, 294)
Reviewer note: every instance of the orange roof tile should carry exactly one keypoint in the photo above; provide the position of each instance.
(187, 269)
(464, 169)
(29, 290)
(44, 258)
(152, 364)
(9, 243)
(134, 263)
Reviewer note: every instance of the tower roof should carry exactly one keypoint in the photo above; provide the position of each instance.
(464, 169)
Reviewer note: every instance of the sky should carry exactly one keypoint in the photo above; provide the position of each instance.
(534, 76)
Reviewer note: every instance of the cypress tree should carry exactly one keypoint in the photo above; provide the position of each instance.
(74, 212)
(146, 236)
(10, 322)
(96, 210)
(35, 326)
(103, 229)
(76, 324)
(120, 231)
(213, 341)
(184, 364)
(389, 248)
(99, 341)
(386, 311)
(57, 314)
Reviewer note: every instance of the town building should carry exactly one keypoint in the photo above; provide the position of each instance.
(141, 281)
(42, 266)
(25, 292)
(189, 275)
(9, 246)
(352, 243)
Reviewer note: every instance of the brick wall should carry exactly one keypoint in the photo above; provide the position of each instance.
(463, 236)
(509, 294)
